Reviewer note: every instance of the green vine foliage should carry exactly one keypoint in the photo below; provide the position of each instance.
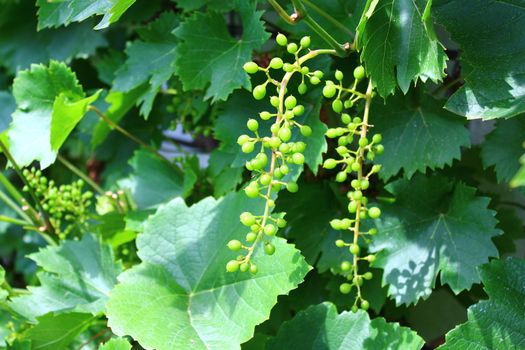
(255, 174)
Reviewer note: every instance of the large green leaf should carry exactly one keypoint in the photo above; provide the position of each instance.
(434, 226)
(181, 297)
(77, 277)
(116, 344)
(150, 60)
(57, 13)
(497, 323)
(493, 61)
(320, 327)
(217, 65)
(417, 136)
(398, 44)
(49, 104)
(154, 181)
(503, 148)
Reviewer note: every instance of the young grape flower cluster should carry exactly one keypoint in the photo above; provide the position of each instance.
(275, 152)
(67, 205)
(352, 165)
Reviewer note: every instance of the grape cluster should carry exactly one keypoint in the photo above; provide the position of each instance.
(275, 152)
(353, 148)
(67, 205)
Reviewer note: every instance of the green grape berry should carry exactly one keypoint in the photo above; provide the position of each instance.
(281, 40)
(346, 266)
(359, 72)
(365, 305)
(244, 267)
(274, 101)
(329, 90)
(250, 67)
(368, 276)
(298, 110)
(340, 243)
(287, 67)
(253, 269)
(252, 124)
(259, 92)
(298, 158)
(339, 75)
(345, 288)
(290, 102)
(371, 258)
(292, 187)
(374, 212)
(232, 266)
(248, 147)
(234, 245)
(314, 80)
(354, 249)
(306, 130)
(281, 223)
(337, 106)
(250, 237)
(251, 191)
(269, 249)
(302, 88)
(270, 229)
(285, 134)
(345, 118)
(379, 149)
(265, 115)
(284, 169)
(276, 63)
(363, 142)
(265, 179)
(377, 138)
(341, 176)
(292, 48)
(354, 309)
(330, 163)
(247, 219)
(364, 184)
(305, 41)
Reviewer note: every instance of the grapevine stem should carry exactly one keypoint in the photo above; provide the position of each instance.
(9, 202)
(281, 12)
(18, 170)
(360, 159)
(329, 18)
(80, 174)
(14, 221)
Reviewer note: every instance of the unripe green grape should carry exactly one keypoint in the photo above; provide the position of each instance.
(363, 215)
(250, 67)
(305, 70)
(284, 148)
(234, 245)
(342, 141)
(249, 166)
(354, 249)
(284, 169)
(330, 163)
(306, 130)
(275, 128)
(285, 134)
(289, 115)
(345, 288)
(265, 179)
(331, 133)
(259, 92)
(252, 124)
(299, 147)
(292, 48)
(368, 276)
(340, 243)
(270, 229)
(346, 266)
(232, 266)
(305, 41)
(329, 90)
(251, 191)
(345, 118)
(341, 150)
(269, 249)
(336, 224)
(337, 106)
(372, 231)
(355, 166)
(281, 223)
(253, 269)
(247, 219)
(290, 102)
(339, 75)
(276, 187)
(248, 147)
(376, 168)
(287, 67)
(276, 63)
(274, 142)
(298, 110)
(377, 138)
(292, 187)
(314, 80)
(346, 223)
(359, 72)
(357, 195)
(365, 184)
(298, 158)
(274, 101)
(277, 174)
(265, 115)
(374, 212)
(365, 305)
(349, 103)
(281, 40)
(302, 88)
(244, 267)
(341, 176)
(363, 141)
(250, 237)
(371, 258)
(270, 203)
(379, 149)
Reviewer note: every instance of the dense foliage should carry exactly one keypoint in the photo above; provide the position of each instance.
(262, 174)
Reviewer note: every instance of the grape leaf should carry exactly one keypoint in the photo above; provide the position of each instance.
(49, 103)
(434, 226)
(77, 277)
(219, 5)
(3, 293)
(398, 43)
(182, 297)
(116, 344)
(503, 148)
(154, 181)
(350, 331)
(219, 62)
(57, 13)
(496, 323)
(417, 136)
(493, 69)
(57, 331)
(150, 60)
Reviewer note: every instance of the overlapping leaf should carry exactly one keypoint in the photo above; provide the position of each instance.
(496, 323)
(57, 13)
(320, 327)
(217, 65)
(182, 297)
(417, 136)
(116, 344)
(434, 226)
(492, 56)
(50, 102)
(77, 277)
(398, 44)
